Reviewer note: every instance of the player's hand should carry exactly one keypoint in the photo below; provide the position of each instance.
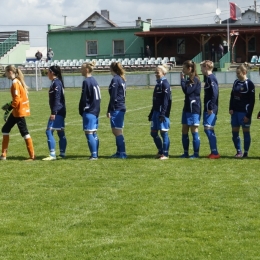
(210, 112)
(231, 112)
(52, 117)
(258, 115)
(245, 119)
(162, 119)
(108, 115)
(182, 75)
(150, 116)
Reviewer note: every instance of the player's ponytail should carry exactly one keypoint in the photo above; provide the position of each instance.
(117, 68)
(89, 66)
(163, 68)
(19, 75)
(57, 72)
(191, 64)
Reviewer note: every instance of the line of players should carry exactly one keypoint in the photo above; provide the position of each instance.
(241, 106)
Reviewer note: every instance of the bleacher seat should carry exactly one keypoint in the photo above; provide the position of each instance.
(254, 59)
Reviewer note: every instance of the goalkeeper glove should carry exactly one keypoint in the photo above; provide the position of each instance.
(6, 114)
(7, 106)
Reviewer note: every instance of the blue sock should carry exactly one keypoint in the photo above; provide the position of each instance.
(92, 145)
(51, 142)
(62, 142)
(120, 142)
(236, 141)
(97, 141)
(196, 143)
(247, 141)
(157, 141)
(185, 143)
(166, 143)
(212, 140)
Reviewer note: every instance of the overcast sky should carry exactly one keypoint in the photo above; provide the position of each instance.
(34, 15)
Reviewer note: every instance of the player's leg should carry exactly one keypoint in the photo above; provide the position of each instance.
(209, 123)
(185, 136)
(194, 125)
(50, 141)
(96, 136)
(5, 132)
(247, 137)
(89, 126)
(155, 127)
(62, 143)
(235, 124)
(164, 127)
(21, 123)
(117, 124)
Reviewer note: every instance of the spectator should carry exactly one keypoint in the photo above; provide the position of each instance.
(50, 54)
(213, 52)
(147, 52)
(38, 55)
(220, 51)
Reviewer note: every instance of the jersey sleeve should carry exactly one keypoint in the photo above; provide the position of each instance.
(214, 87)
(166, 97)
(250, 107)
(189, 88)
(56, 97)
(231, 98)
(16, 95)
(113, 95)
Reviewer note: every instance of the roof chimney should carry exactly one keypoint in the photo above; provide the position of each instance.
(138, 22)
(105, 13)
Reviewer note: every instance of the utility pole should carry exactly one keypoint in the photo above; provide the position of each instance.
(256, 18)
(64, 19)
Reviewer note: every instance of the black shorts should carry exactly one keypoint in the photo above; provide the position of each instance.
(11, 121)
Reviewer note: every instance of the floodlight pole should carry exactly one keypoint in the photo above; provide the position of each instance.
(64, 19)
(256, 20)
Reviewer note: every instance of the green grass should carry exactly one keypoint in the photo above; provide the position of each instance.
(138, 208)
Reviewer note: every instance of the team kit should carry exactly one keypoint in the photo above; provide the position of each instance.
(241, 105)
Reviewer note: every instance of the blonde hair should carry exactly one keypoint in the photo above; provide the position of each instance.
(89, 65)
(18, 74)
(191, 64)
(163, 68)
(208, 64)
(243, 67)
(117, 68)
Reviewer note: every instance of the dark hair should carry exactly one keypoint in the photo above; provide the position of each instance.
(57, 72)
(118, 69)
(191, 64)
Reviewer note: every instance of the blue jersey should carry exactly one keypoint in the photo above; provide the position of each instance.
(192, 103)
(57, 98)
(162, 97)
(211, 93)
(90, 97)
(242, 97)
(117, 92)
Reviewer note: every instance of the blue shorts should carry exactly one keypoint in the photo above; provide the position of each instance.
(57, 124)
(157, 125)
(90, 122)
(117, 119)
(190, 119)
(237, 120)
(209, 120)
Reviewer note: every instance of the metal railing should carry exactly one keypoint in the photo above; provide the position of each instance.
(198, 59)
(225, 59)
(8, 44)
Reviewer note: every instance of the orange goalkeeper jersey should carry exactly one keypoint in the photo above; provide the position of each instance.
(20, 102)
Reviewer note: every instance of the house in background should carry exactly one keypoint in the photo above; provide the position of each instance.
(96, 37)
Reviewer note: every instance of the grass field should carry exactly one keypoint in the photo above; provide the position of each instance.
(138, 208)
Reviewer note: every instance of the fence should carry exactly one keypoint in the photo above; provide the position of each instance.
(133, 80)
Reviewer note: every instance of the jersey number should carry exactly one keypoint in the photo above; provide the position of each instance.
(97, 92)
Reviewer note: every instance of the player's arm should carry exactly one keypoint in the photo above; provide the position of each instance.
(82, 99)
(56, 98)
(214, 97)
(113, 96)
(231, 108)
(251, 105)
(166, 91)
(16, 95)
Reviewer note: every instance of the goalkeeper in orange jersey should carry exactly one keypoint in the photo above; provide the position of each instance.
(16, 111)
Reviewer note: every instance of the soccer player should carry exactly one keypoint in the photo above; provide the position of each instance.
(58, 114)
(241, 106)
(116, 107)
(18, 109)
(192, 108)
(160, 113)
(89, 108)
(211, 93)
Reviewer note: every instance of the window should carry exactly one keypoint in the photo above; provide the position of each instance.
(91, 48)
(181, 46)
(252, 45)
(119, 47)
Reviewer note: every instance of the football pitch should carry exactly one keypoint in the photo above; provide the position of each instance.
(138, 208)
